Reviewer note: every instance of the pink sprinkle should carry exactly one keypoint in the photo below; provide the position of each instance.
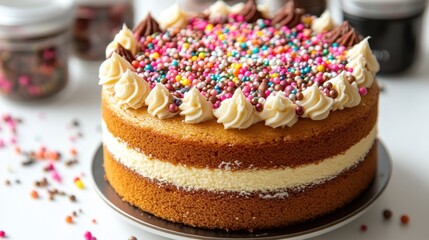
(2, 234)
(88, 235)
(56, 176)
(24, 80)
(363, 91)
(1, 143)
(13, 140)
(50, 167)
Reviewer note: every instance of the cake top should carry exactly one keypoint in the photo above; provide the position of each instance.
(238, 65)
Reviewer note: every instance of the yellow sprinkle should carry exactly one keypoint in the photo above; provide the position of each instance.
(194, 58)
(321, 68)
(221, 37)
(178, 78)
(235, 79)
(229, 54)
(185, 82)
(274, 75)
(259, 33)
(201, 55)
(209, 27)
(155, 55)
(185, 45)
(79, 184)
(241, 39)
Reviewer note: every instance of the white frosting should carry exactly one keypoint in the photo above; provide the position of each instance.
(243, 181)
(348, 94)
(362, 48)
(235, 9)
(364, 77)
(323, 23)
(131, 90)
(111, 71)
(126, 38)
(195, 107)
(264, 9)
(279, 111)
(316, 105)
(236, 112)
(173, 17)
(218, 10)
(158, 102)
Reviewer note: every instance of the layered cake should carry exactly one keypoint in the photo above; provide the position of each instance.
(233, 119)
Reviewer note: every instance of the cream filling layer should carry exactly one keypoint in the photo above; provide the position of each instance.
(243, 181)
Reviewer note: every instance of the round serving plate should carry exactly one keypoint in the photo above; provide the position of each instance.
(158, 226)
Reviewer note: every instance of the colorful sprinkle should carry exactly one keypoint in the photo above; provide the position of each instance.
(387, 214)
(79, 184)
(405, 219)
(34, 194)
(69, 219)
(257, 58)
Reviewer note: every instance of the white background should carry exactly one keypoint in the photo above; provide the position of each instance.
(403, 127)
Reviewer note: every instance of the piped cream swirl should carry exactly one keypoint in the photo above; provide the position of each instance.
(195, 107)
(363, 48)
(158, 102)
(236, 112)
(126, 38)
(348, 94)
(131, 90)
(323, 23)
(111, 71)
(217, 10)
(173, 17)
(279, 111)
(316, 105)
(364, 77)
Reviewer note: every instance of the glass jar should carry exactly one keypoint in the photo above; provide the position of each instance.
(96, 23)
(33, 47)
(394, 27)
(313, 7)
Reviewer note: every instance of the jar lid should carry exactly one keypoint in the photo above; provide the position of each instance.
(381, 9)
(34, 18)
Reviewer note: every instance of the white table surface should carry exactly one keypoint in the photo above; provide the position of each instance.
(403, 127)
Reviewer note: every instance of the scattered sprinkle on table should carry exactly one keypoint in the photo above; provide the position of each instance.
(387, 214)
(69, 219)
(405, 219)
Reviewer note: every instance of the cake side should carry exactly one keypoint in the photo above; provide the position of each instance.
(233, 211)
(210, 146)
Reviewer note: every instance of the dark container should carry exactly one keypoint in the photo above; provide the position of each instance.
(394, 27)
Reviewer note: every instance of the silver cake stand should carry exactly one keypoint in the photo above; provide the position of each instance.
(313, 228)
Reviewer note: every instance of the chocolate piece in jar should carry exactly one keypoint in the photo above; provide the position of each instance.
(96, 23)
(33, 60)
